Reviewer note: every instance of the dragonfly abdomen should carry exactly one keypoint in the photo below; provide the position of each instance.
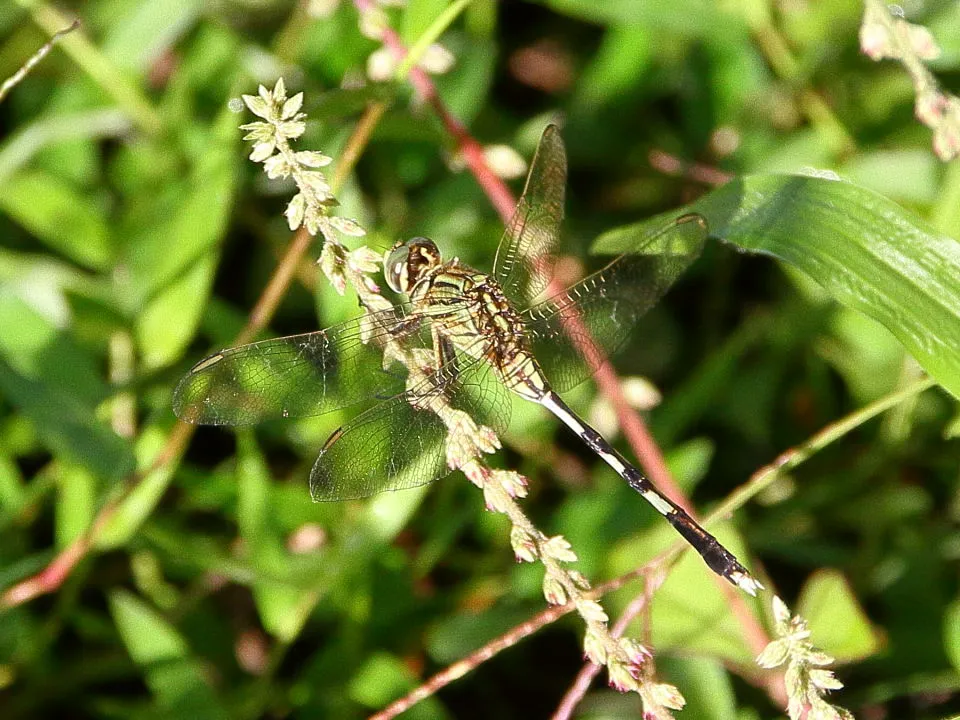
(715, 555)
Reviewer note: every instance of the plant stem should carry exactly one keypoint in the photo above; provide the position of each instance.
(12, 81)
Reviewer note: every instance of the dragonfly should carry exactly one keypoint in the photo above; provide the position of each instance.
(485, 335)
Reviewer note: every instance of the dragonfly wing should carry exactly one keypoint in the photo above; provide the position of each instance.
(391, 446)
(573, 332)
(402, 442)
(295, 376)
(525, 256)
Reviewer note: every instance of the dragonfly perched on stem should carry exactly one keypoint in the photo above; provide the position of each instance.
(481, 336)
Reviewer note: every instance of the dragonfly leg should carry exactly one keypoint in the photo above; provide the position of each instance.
(444, 353)
(406, 325)
(714, 554)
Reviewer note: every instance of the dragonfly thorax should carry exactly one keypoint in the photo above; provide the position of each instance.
(406, 263)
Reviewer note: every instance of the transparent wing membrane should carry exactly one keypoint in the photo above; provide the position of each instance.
(299, 375)
(402, 442)
(392, 446)
(574, 331)
(525, 257)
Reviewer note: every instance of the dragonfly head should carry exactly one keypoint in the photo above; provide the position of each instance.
(407, 262)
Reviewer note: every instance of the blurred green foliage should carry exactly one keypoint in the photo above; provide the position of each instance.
(135, 237)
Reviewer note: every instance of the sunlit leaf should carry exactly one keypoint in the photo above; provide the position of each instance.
(76, 503)
(951, 633)
(147, 30)
(52, 380)
(705, 685)
(174, 676)
(172, 252)
(61, 217)
(689, 612)
(838, 624)
(383, 678)
(867, 252)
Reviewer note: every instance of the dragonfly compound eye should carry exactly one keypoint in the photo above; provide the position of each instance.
(395, 268)
(405, 265)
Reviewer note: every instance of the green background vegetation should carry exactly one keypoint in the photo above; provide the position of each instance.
(135, 237)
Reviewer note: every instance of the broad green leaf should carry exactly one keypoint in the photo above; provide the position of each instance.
(148, 576)
(13, 493)
(690, 462)
(140, 502)
(388, 513)
(465, 88)
(59, 216)
(283, 608)
(384, 678)
(705, 684)
(686, 17)
(618, 66)
(136, 507)
(837, 622)
(45, 284)
(42, 349)
(952, 429)
(689, 612)
(867, 356)
(173, 675)
(53, 382)
(455, 636)
(332, 46)
(865, 250)
(418, 15)
(253, 491)
(166, 326)
(171, 252)
(138, 39)
(55, 129)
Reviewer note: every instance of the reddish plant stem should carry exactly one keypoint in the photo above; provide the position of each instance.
(460, 668)
(276, 288)
(655, 569)
(58, 570)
